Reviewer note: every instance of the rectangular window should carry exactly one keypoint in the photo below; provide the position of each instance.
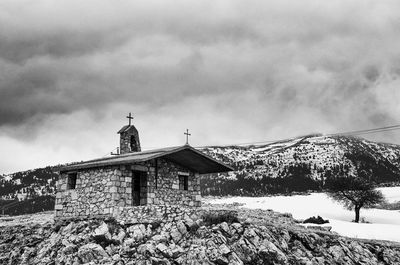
(183, 182)
(71, 181)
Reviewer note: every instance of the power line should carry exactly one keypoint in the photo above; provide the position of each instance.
(370, 132)
(386, 128)
(248, 143)
(357, 132)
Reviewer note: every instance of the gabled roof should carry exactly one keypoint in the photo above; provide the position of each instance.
(126, 128)
(185, 156)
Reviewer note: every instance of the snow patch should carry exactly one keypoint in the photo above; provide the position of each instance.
(384, 224)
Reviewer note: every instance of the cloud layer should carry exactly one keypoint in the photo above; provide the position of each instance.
(268, 69)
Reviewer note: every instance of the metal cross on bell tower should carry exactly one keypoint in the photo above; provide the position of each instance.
(129, 117)
(187, 136)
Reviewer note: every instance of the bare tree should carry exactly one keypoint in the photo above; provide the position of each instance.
(354, 193)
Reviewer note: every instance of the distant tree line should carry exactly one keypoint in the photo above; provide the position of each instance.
(28, 179)
(294, 178)
(38, 204)
(299, 177)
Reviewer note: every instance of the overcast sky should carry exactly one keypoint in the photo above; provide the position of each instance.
(230, 71)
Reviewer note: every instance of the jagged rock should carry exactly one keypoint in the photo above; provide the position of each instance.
(116, 257)
(68, 229)
(199, 222)
(175, 234)
(159, 238)
(165, 251)
(176, 251)
(189, 222)
(234, 259)
(90, 252)
(222, 243)
(138, 232)
(224, 227)
(111, 250)
(283, 239)
(224, 249)
(237, 227)
(158, 261)
(28, 252)
(120, 236)
(221, 260)
(102, 231)
(181, 227)
(76, 239)
(167, 226)
(130, 242)
(219, 239)
(55, 238)
(146, 249)
(309, 240)
(270, 253)
(202, 232)
(69, 249)
(44, 250)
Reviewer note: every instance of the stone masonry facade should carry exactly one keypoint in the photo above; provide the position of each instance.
(129, 141)
(107, 191)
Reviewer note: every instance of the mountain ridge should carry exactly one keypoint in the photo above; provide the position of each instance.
(311, 158)
(295, 164)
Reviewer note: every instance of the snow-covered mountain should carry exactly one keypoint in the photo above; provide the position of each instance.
(300, 164)
(28, 184)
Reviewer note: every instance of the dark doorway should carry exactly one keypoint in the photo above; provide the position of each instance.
(139, 187)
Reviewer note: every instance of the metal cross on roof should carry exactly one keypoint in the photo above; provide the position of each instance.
(130, 118)
(187, 136)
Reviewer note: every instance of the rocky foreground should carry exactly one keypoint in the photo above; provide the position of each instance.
(219, 237)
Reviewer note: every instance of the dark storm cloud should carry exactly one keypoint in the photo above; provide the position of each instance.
(336, 60)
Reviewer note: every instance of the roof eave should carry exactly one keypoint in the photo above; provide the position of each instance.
(81, 166)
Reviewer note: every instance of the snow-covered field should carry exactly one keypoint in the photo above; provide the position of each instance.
(384, 224)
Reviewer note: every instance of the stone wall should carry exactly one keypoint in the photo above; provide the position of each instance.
(168, 192)
(125, 141)
(125, 191)
(162, 188)
(167, 213)
(103, 191)
(96, 193)
(154, 213)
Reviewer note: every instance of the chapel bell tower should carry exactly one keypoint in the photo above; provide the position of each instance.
(129, 138)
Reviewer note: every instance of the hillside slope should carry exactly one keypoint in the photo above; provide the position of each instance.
(298, 164)
(27, 184)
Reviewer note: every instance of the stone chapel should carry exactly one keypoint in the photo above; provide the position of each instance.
(134, 184)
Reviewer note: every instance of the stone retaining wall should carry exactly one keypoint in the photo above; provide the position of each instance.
(154, 213)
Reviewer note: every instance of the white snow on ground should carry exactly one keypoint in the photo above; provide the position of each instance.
(392, 194)
(384, 224)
